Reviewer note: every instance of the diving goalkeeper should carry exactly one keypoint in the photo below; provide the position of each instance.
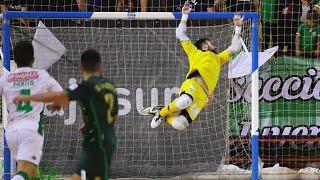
(201, 80)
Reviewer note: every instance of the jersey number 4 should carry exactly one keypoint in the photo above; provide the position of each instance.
(25, 106)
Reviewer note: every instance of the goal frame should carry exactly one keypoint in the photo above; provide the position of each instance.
(253, 16)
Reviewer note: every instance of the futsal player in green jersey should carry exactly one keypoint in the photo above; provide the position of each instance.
(99, 106)
(307, 41)
(316, 7)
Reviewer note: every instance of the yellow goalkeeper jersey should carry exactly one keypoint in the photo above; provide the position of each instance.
(207, 63)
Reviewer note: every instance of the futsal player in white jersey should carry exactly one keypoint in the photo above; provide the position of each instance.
(24, 130)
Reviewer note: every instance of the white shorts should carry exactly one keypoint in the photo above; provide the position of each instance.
(25, 144)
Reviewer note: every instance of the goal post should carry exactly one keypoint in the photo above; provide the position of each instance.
(253, 17)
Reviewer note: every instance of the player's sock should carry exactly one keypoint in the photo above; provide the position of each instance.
(178, 104)
(21, 175)
(170, 118)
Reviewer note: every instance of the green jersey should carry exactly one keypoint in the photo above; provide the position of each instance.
(318, 4)
(308, 37)
(99, 106)
(268, 11)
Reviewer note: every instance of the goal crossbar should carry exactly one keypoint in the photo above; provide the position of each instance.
(125, 15)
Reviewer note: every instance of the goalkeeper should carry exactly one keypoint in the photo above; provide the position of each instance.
(201, 79)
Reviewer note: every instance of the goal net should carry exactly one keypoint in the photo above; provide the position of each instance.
(147, 63)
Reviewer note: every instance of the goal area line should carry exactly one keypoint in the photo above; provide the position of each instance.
(216, 176)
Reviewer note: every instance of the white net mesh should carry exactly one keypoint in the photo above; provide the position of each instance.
(147, 64)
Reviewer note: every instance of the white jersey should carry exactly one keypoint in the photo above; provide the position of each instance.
(26, 81)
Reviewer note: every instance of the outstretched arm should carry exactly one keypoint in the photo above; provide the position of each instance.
(2, 79)
(188, 47)
(317, 52)
(236, 42)
(182, 28)
(61, 97)
(297, 45)
(82, 5)
(316, 7)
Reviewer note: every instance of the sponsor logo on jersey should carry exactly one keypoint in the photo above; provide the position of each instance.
(23, 76)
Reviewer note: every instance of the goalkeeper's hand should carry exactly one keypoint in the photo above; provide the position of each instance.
(186, 9)
(237, 20)
(190, 3)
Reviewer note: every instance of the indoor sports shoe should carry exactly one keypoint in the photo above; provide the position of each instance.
(150, 110)
(155, 110)
(157, 120)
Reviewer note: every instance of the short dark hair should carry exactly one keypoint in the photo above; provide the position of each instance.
(23, 54)
(90, 60)
(311, 16)
(200, 43)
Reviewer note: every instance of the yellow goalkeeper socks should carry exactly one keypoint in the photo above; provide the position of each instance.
(170, 108)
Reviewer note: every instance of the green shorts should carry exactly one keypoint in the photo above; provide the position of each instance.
(95, 163)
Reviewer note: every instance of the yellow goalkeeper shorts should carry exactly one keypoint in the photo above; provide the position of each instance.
(199, 96)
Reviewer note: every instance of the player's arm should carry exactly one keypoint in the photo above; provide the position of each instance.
(181, 30)
(82, 5)
(115, 108)
(317, 53)
(297, 43)
(235, 43)
(2, 81)
(53, 85)
(316, 7)
(61, 97)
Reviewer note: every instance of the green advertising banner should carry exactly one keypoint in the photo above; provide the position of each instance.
(289, 108)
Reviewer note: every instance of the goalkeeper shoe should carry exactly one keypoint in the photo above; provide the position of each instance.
(155, 110)
(150, 110)
(157, 120)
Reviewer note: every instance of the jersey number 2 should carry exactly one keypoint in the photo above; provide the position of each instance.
(25, 106)
(109, 100)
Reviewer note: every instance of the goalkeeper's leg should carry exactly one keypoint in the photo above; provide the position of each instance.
(192, 99)
(185, 117)
(178, 122)
(177, 105)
